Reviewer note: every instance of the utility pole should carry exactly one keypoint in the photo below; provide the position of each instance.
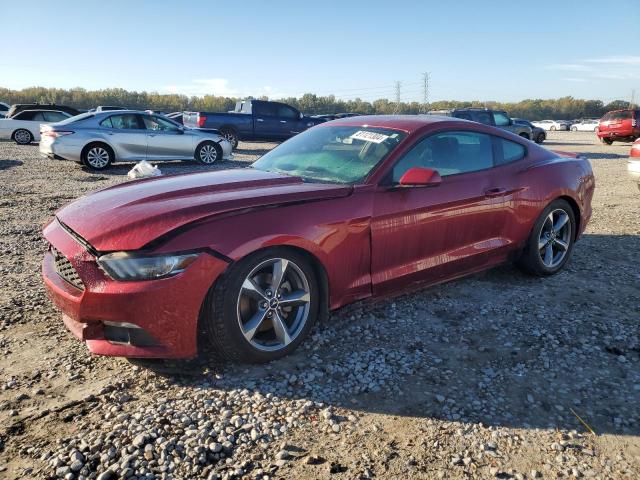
(426, 77)
(397, 109)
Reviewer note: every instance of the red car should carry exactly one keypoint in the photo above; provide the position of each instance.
(350, 209)
(620, 125)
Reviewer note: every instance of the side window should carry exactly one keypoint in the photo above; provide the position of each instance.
(126, 121)
(463, 115)
(158, 124)
(625, 115)
(54, 116)
(501, 119)
(449, 153)
(265, 109)
(106, 123)
(607, 116)
(24, 116)
(287, 112)
(38, 116)
(508, 151)
(482, 117)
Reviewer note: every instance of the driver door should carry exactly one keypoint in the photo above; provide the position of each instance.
(429, 234)
(166, 140)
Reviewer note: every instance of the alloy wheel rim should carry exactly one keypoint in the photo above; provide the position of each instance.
(273, 304)
(208, 154)
(22, 136)
(98, 157)
(555, 238)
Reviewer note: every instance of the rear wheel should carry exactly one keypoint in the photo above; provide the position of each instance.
(208, 153)
(263, 307)
(540, 138)
(606, 141)
(574, 129)
(230, 135)
(551, 240)
(97, 156)
(22, 136)
(553, 128)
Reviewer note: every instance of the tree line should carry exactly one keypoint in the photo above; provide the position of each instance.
(565, 108)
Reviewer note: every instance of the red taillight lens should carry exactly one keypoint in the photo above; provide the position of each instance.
(55, 133)
(201, 120)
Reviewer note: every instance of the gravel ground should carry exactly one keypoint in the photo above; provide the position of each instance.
(498, 375)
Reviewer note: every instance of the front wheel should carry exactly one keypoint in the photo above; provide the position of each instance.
(574, 129)
(208, 153)
(263, 307)
(606, 141)
(553, 129)
(540, 138)
(22, 137)
(551, 240)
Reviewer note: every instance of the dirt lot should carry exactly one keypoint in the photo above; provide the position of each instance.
(483, 377)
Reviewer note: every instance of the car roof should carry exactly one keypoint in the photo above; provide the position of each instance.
(407, 123)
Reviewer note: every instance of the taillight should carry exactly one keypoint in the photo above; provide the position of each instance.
(201, 120)
(55, 133)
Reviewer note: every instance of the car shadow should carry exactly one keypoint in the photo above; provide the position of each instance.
(7, 164)
(501, 348)
(170, 167)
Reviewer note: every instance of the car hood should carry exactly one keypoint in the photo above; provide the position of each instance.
(130, 215)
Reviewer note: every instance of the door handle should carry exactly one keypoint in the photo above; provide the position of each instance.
(495, 192)
(259, 120)
(283, 121)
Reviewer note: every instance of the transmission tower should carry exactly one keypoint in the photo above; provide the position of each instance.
(426, 78)
(397, 109)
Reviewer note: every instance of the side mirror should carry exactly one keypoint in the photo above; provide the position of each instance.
(420, 177)
(301, 116)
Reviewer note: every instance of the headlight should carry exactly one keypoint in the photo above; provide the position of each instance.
(125, 266)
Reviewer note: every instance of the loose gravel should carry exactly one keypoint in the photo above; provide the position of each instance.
(498, 375)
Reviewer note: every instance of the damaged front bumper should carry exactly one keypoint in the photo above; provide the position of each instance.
(151, 318)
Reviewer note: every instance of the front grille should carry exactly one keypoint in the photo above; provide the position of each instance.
(65, 269)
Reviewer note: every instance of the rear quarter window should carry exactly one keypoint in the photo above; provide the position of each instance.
(508, 151)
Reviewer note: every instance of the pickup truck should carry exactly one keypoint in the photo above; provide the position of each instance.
(253, 120)
(496, 118)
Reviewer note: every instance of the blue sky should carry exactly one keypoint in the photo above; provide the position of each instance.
(487, 50)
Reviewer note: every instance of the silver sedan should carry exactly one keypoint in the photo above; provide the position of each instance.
(98, 139)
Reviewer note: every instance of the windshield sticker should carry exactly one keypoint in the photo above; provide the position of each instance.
(369, 136)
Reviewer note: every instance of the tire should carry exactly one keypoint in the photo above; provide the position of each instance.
(552, 128)
(229, 307)
(22, 136)
(97, 156)
(535, 259)
(208, 153)
(525, 135)
(541, 138)
(231, 135)
(574, 129)
(606, 141)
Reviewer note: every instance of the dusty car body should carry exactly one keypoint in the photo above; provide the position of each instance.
(390, 230)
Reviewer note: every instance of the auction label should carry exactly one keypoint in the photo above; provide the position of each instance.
(369, 136)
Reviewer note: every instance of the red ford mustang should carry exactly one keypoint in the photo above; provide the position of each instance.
(354, 208)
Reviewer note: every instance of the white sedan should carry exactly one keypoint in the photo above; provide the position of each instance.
(585, 126)
(24, 127)
(551, 125)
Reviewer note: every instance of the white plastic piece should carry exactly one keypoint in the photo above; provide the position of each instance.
(144, 169)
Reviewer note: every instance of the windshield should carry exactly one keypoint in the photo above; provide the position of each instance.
(337, 154)
(76, 118)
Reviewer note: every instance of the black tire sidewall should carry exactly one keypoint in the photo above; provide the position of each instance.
(23, 130)
(85, 152)
(215, 145)
(530, 259)
(221, 322)
(234, 141)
